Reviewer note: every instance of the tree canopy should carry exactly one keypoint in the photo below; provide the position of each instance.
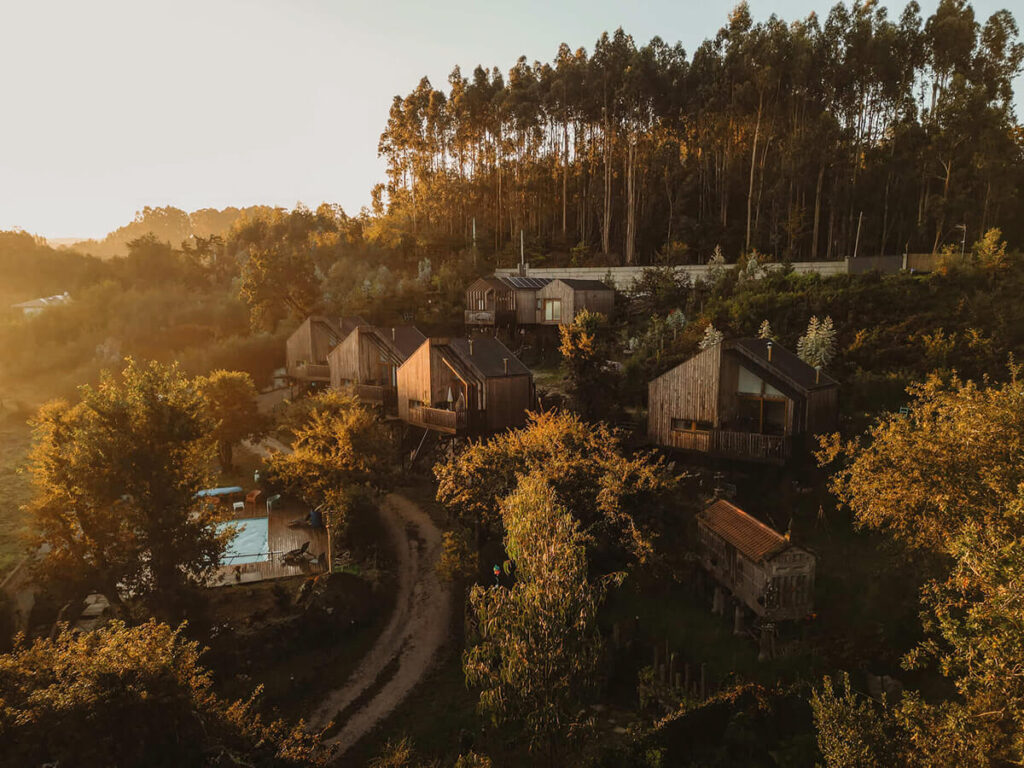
(132, 696)
(115, 480)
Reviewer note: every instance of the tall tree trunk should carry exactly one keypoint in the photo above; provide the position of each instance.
(630, 199)
(565, 174)
(606, 224)
(753, 160)
(817, 211)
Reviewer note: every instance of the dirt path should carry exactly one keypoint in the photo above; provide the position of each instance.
(417, 629)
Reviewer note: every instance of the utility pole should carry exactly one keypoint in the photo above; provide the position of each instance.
(963, 239)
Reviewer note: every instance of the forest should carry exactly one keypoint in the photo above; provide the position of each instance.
(850, 132)
(555, 564)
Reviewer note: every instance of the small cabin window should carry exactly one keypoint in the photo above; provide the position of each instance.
(553, 310)
(691, 425)
(540, 304)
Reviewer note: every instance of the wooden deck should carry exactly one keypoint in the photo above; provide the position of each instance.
(280, 539)
(439, 419)
(774, 449)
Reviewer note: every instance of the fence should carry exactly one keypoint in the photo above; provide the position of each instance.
(623, 277)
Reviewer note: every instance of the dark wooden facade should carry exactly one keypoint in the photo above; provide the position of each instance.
(506, 300)
(561, 300)
(369, 358)
(741, 399)
(757, 565)
(461, 386)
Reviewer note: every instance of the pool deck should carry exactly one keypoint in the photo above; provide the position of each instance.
(281, 539)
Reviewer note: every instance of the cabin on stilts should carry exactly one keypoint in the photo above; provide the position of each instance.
(307, 348)
(562, 299)
(758, 566)
(503, 301)
(464, 387)
(369, 358)
(747, 399)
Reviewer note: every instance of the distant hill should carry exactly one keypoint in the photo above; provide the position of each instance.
(169, 224)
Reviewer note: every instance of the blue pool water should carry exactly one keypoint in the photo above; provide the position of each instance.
(249, 544)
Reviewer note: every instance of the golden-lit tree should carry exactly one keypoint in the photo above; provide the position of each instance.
(115, 480)
(133, 696)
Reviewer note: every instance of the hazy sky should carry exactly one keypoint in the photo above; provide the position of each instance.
(111, 106)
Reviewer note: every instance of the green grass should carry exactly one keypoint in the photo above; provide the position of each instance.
(15, 488)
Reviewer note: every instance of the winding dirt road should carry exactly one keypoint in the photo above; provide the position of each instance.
(417, 629)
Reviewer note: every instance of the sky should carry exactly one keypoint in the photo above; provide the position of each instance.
(114, 105)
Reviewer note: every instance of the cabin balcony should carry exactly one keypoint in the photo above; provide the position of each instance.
(439, 419)
(489, 316)
(378, 394)
(752, 446)
(310, 371)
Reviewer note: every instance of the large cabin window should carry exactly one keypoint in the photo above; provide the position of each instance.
(481, 304)
(553, 310)
(761, 407)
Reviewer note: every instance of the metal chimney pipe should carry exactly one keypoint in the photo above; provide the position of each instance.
(471, 346)
(769, 351)
(817, 374)
(505, 359)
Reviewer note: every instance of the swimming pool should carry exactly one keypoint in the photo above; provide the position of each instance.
(250, 542)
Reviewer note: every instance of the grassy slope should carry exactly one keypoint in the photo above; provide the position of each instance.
(15, 488)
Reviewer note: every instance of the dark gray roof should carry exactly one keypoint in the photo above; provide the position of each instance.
(585, 285)
(405, 338)
(488, 357)
(348, 324)
(515, 281)
(783, 362)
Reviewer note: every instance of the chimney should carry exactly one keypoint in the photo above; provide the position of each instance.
(392, 334)
(769, 351)
(505, 360)
(470, 346)
(817, 374)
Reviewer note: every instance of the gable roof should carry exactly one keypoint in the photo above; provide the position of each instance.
(400, 340)
(755, 540)
(488, 357)
(585, 285)
(784, 363)
(348, 324)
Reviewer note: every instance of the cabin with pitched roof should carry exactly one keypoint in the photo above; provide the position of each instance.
(747, 399)
(307, 348)
(369, 358)
(562, 299)
(464, 387)
(756, 564)
(503, 301)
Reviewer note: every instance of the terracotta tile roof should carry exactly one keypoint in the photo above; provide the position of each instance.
(750, 536)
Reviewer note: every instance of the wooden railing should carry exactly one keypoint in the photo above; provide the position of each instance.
(439, 418)
(746, 445)
(479, 317)
(312, 371)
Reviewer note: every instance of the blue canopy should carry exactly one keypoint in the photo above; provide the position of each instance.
(220, 491)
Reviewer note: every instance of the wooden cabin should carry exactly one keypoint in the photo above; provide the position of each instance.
(307, 348)
(506, 300)
(757, 565)
(562, 299)
(464, 386)
(743, 399)
(369, 358)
